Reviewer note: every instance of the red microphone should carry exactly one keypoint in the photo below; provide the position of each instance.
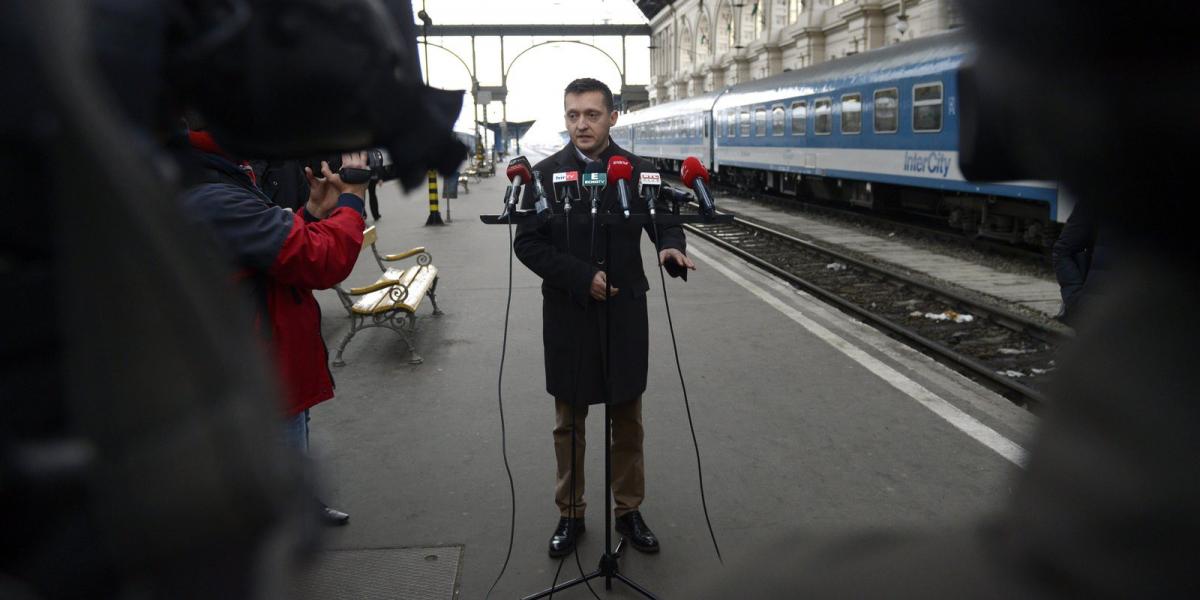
(519, 171)
(695, 176)
(621, 171)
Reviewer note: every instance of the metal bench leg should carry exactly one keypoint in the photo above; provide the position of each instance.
(354, 327)
(432, 293)
(398, 327)
(413, 358)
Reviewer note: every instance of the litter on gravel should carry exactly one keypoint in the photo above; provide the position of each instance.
(835, 266)
(949, 315)
(1011, 373)
(1012, 351)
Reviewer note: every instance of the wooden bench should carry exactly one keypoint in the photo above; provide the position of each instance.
(392, 301)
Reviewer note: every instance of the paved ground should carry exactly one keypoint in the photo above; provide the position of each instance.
(805, 419)
(1038, 294)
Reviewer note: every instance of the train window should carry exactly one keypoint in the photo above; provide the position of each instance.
(799, 118)
(760, 121)
(778, 120)
(886, 116)
(744, 123)
(823, 116)
(852, 113)
(731, 122)
(927, 107)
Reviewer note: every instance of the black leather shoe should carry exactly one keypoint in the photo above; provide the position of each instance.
(565, 535)
(333, 516)
(635, 530)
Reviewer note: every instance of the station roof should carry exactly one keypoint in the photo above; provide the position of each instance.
(651, 7)
(568, 29)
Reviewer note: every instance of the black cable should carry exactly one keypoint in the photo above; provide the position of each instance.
(556, 573)
(512, 489)
(674, 346)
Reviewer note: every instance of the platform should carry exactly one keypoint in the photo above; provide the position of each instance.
(805, 419)
(1039, 295)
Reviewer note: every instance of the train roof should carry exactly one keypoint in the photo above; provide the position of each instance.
(923, 56)
(694, 104)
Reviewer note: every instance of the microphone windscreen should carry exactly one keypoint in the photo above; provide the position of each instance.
(620, 169)
(519, 166)
(649, 178)
(595, 167)
(692, 168)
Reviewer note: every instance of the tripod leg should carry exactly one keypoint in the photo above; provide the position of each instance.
(564, 585)
(637, 588)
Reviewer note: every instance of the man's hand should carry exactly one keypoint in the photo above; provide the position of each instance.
(323, 193)
(599, 282)
(677, 257)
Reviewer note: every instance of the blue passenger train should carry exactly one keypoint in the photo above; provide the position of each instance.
(878, 130)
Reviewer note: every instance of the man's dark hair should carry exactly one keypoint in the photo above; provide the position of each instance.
(587, 84)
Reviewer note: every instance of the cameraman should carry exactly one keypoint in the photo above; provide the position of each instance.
(282, 257)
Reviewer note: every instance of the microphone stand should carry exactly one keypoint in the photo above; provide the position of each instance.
(609, 567)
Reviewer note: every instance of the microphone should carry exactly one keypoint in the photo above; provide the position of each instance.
(649, 185)
(542, 206)
(518, 173)
(621, 171)
(566, 188)
(695, 176)
(595, 180)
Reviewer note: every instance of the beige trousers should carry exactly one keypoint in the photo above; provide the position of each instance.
(628, 466)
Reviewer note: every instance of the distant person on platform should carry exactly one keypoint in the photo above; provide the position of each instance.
(573, 294)
(1073, 256)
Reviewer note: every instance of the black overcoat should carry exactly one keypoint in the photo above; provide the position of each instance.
(573, 324)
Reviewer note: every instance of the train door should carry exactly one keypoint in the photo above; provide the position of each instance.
(706, 138)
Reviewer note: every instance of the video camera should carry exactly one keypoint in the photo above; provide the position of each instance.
(379, 167)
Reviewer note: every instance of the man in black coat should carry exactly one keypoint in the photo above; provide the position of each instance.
(574, 286)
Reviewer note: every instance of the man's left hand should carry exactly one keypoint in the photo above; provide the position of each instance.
(677, 257)
(323, 193)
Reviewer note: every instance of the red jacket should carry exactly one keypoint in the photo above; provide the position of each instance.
(284, 257)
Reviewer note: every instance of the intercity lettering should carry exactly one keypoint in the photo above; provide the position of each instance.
(934, 163)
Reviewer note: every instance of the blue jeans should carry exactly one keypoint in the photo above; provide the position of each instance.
(296, 432)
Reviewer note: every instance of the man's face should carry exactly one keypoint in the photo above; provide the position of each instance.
(588, 120)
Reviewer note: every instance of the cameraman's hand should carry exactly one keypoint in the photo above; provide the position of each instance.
(357, 160)
(323, 193)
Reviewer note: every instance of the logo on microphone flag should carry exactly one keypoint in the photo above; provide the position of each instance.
(595, 179)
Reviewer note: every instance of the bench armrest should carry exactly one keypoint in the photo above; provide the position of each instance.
(378, 285)
(404, 255)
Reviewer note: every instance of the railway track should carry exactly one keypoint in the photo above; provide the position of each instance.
(1007, 351)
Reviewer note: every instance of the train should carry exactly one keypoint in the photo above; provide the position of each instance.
(877, 130)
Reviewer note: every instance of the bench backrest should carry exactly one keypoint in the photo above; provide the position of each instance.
(369, 236)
